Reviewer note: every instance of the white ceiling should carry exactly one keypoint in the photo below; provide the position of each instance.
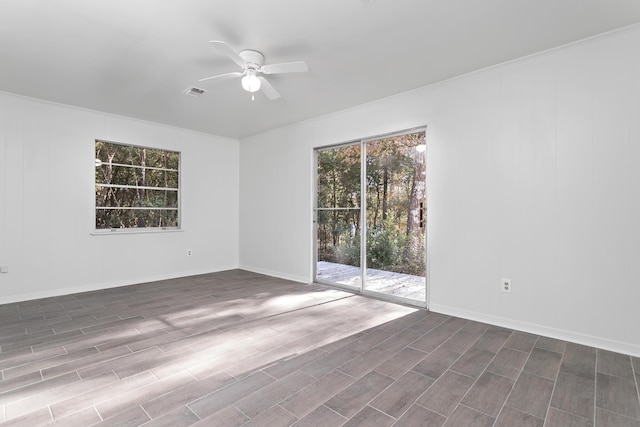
(135, 57)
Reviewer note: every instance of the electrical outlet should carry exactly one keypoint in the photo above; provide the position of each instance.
(189, 252)
(505, 285)
(4, 268)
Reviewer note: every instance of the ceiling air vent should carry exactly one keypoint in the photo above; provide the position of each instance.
(194, 91)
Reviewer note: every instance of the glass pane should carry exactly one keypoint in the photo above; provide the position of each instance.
(131, 218)
(162, 159)
(339, 236)
(338, 177)
(396, 208)
(109, 152)
(338, 216)
(135, 197)
(111, 174)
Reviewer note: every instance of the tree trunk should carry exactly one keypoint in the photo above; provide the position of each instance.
(416, 214)
(141, 183)
(334, 204)
(385, 192)
(377, 209)
(102, 201)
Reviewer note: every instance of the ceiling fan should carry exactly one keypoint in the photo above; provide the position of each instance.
(252, 64)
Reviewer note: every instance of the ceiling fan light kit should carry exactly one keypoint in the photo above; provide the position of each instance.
(251, 82)
(252, 64)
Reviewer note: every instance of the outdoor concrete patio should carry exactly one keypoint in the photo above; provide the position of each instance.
(396, 284)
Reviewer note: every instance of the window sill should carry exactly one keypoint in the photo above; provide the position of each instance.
(117, 231)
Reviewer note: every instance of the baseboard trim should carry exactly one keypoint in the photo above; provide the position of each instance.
(106, 285)
(277, 274)
(561, 334)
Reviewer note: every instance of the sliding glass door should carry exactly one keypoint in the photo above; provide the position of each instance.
(371, 216)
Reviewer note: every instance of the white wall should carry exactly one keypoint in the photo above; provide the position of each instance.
(47, 202)
(532, 175)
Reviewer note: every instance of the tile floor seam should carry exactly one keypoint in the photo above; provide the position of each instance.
(417, 349)
(432, 410)
(143, 410)
(615, 376)
(575, 416)
(595, 390)
(520, 351)
(477, 410)
(154, 375)
(263, 371)
(450, 365)
(487, 371)
(458, 373)
(224, 371)
(550, 395)
(406, 409)
(381, 410)
(330, 409)
(415, 401)
(518, 409)
(249, 419)
(342, 372)
(596, 406)
(475, 380)
(98, 412)
(284, 409)
(553, 389)
(577, 377)
(516, 381)
(507, 398)
(374, 397)
(429, 330)
(636, 375)
(51, 413)
(618, 413)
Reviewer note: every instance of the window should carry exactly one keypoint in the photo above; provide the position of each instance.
(136, 187)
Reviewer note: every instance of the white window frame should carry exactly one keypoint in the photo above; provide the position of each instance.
(134, 230)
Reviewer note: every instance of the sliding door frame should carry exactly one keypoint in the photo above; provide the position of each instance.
(314, 210)
(363, 221)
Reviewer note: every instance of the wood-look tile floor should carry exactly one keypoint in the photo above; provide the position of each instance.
(237, 348)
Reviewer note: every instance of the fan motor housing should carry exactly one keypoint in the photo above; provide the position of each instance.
(253, 58)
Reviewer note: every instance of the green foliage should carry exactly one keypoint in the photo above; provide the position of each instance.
(348, 253)
(386, 250)
(385, 247)
(130, 218)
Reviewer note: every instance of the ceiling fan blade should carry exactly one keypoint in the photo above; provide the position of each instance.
(224, 48)
(222, 76)
(286, 67)
(268, 90)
